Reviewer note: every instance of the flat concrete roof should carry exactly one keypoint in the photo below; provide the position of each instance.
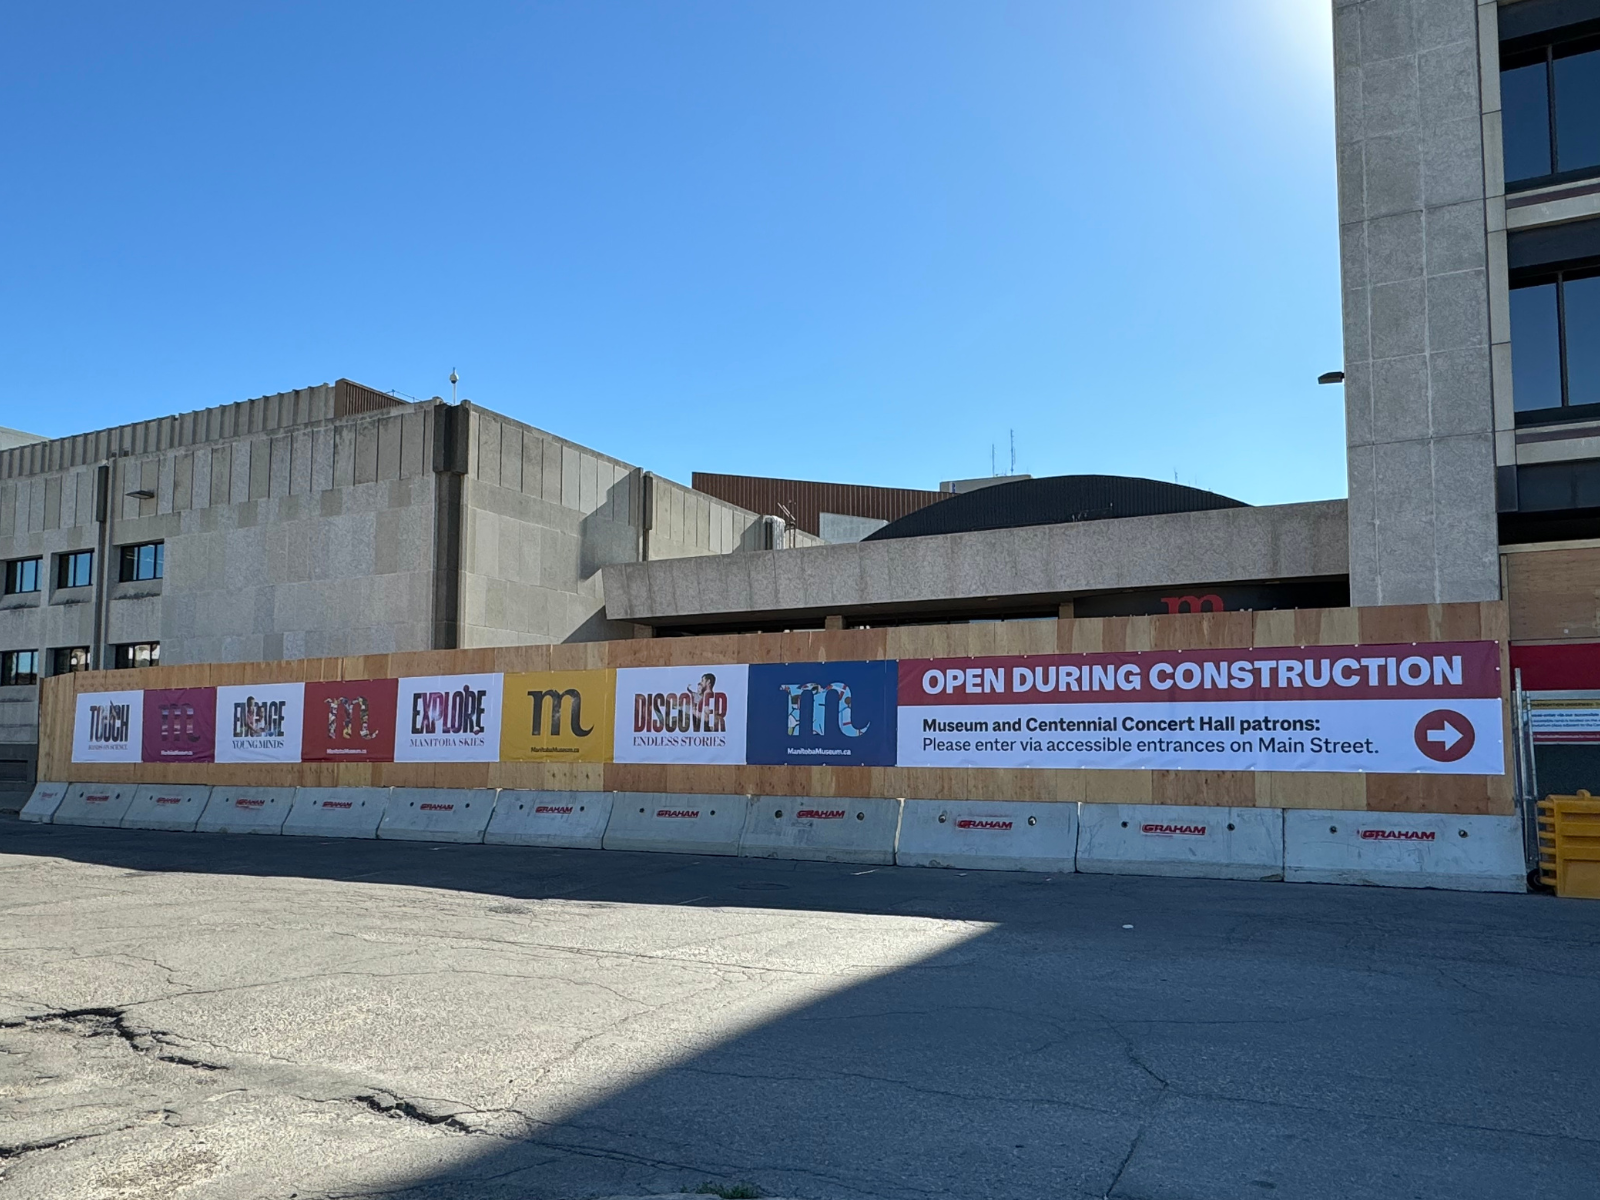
(1231, 545)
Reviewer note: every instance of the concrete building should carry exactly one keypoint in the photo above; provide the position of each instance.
(332, 520)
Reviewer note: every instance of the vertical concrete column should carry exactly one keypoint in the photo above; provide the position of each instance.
(1418, 402)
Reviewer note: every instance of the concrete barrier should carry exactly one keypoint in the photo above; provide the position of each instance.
(100, 804)
(437, 814)
(1437, 850)
(572, 820)
(175, 807)
(982, 835)
(821, 829)
(676, 823)
(246, 810)
(44, 801)
(1194, 841)
(336, 812)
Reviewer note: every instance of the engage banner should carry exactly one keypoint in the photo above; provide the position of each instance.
(1425, 707)
(261, 722)
(681, 714)
(557, 716)
(448, 718)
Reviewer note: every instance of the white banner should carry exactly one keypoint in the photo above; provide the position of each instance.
(681, 714)
(260, 722)
(448, 718)
(1379, 736)
(108, 727)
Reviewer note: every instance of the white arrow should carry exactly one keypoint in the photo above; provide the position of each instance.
(1449, 735)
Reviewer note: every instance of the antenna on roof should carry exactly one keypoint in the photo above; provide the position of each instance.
(1013, 452)
(454, 379)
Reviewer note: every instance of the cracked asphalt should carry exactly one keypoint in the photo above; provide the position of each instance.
(185, 1015)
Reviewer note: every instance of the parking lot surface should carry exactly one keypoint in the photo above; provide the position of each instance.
(187, 1015)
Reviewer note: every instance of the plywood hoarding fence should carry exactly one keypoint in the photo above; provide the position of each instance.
(1237, 630)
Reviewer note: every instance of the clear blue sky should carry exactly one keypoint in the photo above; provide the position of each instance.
(854, 240)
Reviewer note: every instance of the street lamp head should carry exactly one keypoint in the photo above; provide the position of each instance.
(1331, 377)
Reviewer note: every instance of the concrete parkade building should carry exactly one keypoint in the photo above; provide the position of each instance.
(334, 520)
(1473, 438)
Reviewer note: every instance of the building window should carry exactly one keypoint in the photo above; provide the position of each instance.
(142, 562)
(75, 569)
(64, 660)
(1550, 102)
(22, 575)
(1555, 345)
(19, 667)
(137, 654)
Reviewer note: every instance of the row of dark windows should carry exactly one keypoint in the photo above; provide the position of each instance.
(1550, 112)
(20, 667)
(146, 560)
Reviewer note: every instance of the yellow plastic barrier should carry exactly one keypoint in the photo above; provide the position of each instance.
(1569, 845)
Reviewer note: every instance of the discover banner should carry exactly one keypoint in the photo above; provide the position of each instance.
(1426, 707)
(681, 714)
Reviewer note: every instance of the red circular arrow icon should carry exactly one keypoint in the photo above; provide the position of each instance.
(1445, 735)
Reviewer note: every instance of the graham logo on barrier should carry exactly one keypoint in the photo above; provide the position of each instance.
(681, 714)
(261, 722)
(557, 716)
(349, 720)
(1417, 707)
(838, 714)
(180, 725)
(108, 727)
(449, 718)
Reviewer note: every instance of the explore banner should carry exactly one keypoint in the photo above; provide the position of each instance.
(1431, 708)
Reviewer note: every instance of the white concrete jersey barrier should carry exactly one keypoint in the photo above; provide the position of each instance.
(174, 807)
(101, 804)
(676, 823)
(983, 835)
(566, 820)
(821, 829)
(44, 801)
(437, 814)
(1477, 854)
(1193, 841)
(246, 810)
(336, 812)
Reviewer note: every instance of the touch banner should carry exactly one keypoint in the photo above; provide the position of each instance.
(108, 727)
(349, 720)
(448, 718)
(180, 725)
(681, 714)
(836, 714)
(557, 716)
(1416, 707)
(260, 722)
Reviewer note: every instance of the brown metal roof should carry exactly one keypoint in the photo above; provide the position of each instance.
(803, 501)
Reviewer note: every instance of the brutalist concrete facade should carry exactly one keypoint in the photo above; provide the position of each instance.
(1429, 239)
(330, 521)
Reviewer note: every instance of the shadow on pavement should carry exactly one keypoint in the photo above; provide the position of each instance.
(1240, 1040)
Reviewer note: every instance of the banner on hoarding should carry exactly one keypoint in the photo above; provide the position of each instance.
(180, 725)
(261, 722)
(108, 727)
(1393, 709)
(557, 716)
(1555, 722)
(349, 720)
(836, 714)
(681, 714)
(448, 718)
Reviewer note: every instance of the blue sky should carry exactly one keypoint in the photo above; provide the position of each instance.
(857, 241)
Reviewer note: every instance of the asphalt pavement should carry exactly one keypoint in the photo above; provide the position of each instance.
(187, 1016)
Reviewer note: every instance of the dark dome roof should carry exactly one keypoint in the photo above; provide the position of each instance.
(1053, 501)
